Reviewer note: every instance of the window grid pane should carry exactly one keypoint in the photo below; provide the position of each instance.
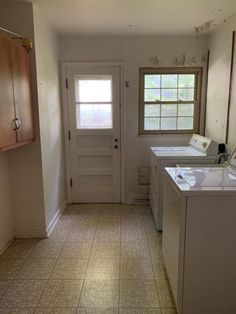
(152, 94)
(169, 116)
(93, 96)
(165, 89)
(93, 89)
(186, 110)
(152, 111)
(169, 123)
(176, 102)
(186, 80)
(94, 116)
(152, 123)
(185, 123)
(152, 81)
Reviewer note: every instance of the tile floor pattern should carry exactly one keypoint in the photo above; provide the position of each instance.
(99, 259)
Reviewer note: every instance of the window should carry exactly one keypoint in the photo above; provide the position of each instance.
(169, 100)
(93, 102)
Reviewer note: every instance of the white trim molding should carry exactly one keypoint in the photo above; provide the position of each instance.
(55, 219)
(4, 245)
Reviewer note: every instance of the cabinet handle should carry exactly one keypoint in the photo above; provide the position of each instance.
(16, 123)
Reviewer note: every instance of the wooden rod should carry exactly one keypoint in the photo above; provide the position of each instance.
(205, 109)
(230, 87)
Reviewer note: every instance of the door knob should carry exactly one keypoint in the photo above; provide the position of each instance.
(116, 139)
(116, 146)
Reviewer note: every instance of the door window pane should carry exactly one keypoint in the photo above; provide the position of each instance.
(94, 116)
(94, 90)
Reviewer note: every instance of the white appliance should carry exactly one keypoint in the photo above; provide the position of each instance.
(199, 237)
(199, 150)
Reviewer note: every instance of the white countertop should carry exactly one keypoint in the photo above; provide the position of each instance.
(178, 152)
(208, 180)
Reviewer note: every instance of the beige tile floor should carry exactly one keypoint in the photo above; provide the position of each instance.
(101, 259)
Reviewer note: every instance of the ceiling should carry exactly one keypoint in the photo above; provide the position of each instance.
(136, 17)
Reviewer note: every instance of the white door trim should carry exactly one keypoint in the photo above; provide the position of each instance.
(65, 110)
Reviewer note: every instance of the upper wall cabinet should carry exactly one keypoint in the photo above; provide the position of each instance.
(16, 115)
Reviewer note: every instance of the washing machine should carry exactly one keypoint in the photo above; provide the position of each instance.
(199, 150)
(199, 237)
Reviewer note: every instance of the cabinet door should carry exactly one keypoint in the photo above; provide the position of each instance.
(7, 114)
(22, 92)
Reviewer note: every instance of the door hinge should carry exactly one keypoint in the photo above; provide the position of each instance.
(71, 183)
(67, 85)
(69, 135)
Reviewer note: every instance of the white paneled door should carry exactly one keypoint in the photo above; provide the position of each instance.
(94, 126)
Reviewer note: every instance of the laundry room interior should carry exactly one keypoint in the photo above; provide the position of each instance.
(117, 123)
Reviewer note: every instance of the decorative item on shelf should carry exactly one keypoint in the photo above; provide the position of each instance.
(155, 61)
(180, 62)
(192, 62)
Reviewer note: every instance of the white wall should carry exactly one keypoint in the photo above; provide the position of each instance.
(25, 164)
(6, 223)
(47, 65)
(218, 85)
(36, 171)
(135, 52)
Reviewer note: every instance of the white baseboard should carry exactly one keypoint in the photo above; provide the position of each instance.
(39, 233)
(55, 219)
(31, 233)
(4, 245)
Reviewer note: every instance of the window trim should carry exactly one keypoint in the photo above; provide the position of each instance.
(197, 71)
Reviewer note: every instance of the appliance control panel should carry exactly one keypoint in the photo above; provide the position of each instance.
(204, 144)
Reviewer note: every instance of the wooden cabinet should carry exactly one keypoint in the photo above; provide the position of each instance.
(16, 115)
(7, 110)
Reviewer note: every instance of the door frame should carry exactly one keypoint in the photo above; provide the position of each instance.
(65, 118)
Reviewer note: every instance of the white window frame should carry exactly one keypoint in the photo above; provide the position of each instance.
(197, 71)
